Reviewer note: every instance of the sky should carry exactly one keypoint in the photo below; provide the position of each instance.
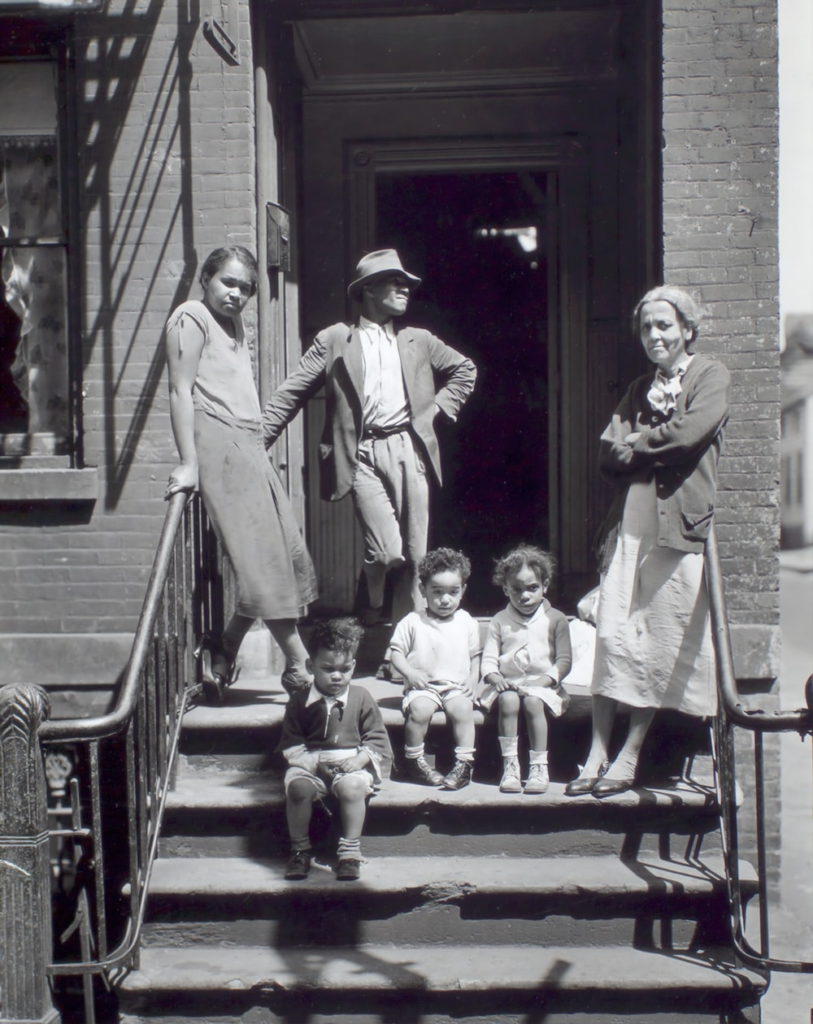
(795, 157)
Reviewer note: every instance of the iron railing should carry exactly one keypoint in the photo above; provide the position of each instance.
(733, 714)
(117, 768)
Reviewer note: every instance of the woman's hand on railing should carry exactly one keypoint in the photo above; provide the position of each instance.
(183, 478)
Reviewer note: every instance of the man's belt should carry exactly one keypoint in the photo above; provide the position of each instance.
(379, 433)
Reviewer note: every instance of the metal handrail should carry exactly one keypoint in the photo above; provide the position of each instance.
(800, 720)
(77, 729)
(733, 713)
(140, 735)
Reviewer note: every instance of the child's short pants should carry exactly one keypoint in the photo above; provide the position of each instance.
(439, 693)
(326, 781)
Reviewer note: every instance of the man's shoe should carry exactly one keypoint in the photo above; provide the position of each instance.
(371, 616)
(459, 776)
(510, 783)
(386, 672)
(348, 869)
(293, 681)
(538, 779)
(299, 864)
(418, 770)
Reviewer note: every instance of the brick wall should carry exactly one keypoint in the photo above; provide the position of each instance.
(720, 128)
(166, 144)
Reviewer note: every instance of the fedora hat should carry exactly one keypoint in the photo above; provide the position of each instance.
(377, 264)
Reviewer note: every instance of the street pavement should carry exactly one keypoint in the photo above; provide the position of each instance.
(790, 997)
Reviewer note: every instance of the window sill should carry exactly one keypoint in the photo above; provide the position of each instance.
(62, 485)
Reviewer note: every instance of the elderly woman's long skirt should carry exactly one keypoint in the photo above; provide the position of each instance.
(653, 644)
(249, 509)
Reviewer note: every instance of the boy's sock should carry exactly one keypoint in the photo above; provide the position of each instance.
(300, 845)
(464, 754)
(349, 849)
(413, 753)
(508, 745)
(538, 757)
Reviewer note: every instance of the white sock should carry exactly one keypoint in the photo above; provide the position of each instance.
(539, 756)
(464, 754)
(413, 753)
(508, 745)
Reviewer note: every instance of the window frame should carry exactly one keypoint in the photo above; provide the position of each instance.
(52, 41)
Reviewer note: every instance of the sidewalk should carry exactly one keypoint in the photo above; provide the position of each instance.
(797, 559)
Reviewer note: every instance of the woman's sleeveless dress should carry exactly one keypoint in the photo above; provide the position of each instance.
(244, 498)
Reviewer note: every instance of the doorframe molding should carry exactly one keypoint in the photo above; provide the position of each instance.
(564, 159)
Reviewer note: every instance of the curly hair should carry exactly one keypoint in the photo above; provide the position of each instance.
(218, 257)
(682, 302)
(542, 562)
(342, 635)
(443, 560)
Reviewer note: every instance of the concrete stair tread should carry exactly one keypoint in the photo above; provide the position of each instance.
(211, 787)
(256, 703)
(444, 968)
(449, 876)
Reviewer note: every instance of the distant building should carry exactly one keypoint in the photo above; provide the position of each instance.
(796, 446)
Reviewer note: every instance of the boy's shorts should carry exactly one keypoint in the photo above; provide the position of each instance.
(439, 693)
(325, 782)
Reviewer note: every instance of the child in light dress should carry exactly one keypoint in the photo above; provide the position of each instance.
(438, 654)
(526, 655)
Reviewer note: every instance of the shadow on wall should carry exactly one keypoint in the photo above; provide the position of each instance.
(112, 51)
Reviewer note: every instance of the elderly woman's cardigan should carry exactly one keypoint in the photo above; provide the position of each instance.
(680, 449)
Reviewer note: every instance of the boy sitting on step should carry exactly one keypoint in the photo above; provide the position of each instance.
(438, 654)
(526, 655)
(334, 740)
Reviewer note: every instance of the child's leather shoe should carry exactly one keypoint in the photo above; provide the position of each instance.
(459, 776)
(538, 779)
(418, 770)
(510, 783)
(348, 869)
(299, 864)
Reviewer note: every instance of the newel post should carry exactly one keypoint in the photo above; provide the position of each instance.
(25, 874)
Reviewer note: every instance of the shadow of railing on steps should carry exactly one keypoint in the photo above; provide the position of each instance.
(109, 777)
(734, 714)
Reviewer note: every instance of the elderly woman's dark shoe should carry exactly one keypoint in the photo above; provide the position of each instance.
(216, 668)
(584, 785)
(611, 787)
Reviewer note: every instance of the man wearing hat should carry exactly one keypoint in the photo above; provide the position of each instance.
(383, 387)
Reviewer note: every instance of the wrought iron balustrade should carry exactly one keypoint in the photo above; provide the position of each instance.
(109, 777)
(734, 714)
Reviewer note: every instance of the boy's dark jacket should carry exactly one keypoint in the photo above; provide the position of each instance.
(361, 725)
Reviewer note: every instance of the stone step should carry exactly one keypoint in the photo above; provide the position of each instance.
(212, 812)
(492, 900)
(430, 983)
(245, 731)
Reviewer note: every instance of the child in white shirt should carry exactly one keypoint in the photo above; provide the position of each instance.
(438, 654)
(526, 656)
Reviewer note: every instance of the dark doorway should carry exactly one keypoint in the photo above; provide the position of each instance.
(479, 241)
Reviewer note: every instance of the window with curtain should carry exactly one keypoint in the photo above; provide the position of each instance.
(34, 357)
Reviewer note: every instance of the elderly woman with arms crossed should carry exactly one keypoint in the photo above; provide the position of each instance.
(661, 448)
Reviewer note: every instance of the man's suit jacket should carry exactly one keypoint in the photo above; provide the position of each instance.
(434, 375)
